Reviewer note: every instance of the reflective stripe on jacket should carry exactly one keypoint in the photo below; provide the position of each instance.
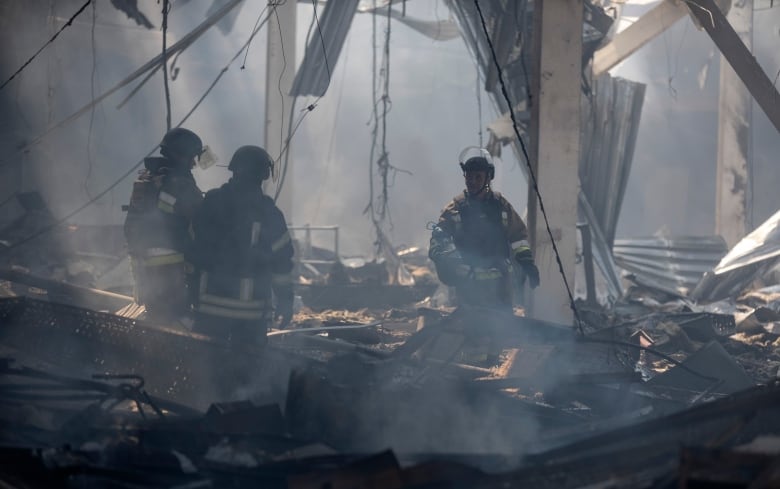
(244, 252)
(162, 205)
(243, 304)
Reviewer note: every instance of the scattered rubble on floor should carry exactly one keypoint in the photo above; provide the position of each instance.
(389, 389)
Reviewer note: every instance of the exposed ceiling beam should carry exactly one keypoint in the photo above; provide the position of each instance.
(739, 57)
(644, 30)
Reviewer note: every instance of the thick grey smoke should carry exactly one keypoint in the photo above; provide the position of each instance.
(433, 116)
(672, 183)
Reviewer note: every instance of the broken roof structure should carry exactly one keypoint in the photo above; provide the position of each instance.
(669, 381)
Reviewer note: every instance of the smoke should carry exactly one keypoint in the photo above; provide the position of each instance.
(424, 401)
(433, 116)
(672, 181)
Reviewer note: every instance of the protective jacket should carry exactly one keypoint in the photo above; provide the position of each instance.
(474, 245)
(244, 252)
(157, 228)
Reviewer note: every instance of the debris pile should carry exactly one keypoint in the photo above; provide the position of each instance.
(655, 390)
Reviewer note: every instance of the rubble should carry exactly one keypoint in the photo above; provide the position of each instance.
(379, 381)
(464, 394)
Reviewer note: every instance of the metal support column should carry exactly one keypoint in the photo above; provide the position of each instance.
(555, 132)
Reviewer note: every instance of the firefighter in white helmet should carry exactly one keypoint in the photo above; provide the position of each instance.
(480, 239)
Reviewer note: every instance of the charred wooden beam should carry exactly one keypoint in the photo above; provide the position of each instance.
(739, 56)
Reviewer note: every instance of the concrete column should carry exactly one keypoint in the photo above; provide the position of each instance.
(280, 72)
(732, 219)
(555, 133)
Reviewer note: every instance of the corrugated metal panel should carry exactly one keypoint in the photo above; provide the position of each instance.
(509, 25)
(756, 252)
(313, 76)
(674, 265)
(611, 115)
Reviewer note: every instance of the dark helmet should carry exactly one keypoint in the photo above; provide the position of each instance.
(479, 163)
(182, 143)
(251, 161)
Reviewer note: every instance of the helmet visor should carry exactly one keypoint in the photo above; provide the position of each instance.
(206, 159)
(474, 151)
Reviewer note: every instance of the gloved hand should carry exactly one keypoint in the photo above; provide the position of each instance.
(525, 259)
(447, 259)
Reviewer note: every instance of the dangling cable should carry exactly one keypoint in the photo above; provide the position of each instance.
(257, 22)
(322, 40)
(92, 97)
(67, 24)
(152, 65)
(479, 103)
(165, 10)
(387, 171)
(329, 155)
(292, 129)
(130, 171)
(384, 158)
(374, 117)
(531, 173)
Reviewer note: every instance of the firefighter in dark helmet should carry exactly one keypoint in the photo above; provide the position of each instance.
(157, 227)
(244, 253)
(480, 239)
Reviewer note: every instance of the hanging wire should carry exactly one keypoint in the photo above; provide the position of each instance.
(478, 84)
(67, 24)
(291, 130)
(375, 117)
(166, 9)
(377, 216)
(672, 72)
(50, 61)
(523, 7)
(387, 171)
(329, 156)
(322, 40)
(378, 208)
(284, 68)
(254, 28)
(384, 158)
(91, 96)
(153, 65)
(531, 173)
(97, 197)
